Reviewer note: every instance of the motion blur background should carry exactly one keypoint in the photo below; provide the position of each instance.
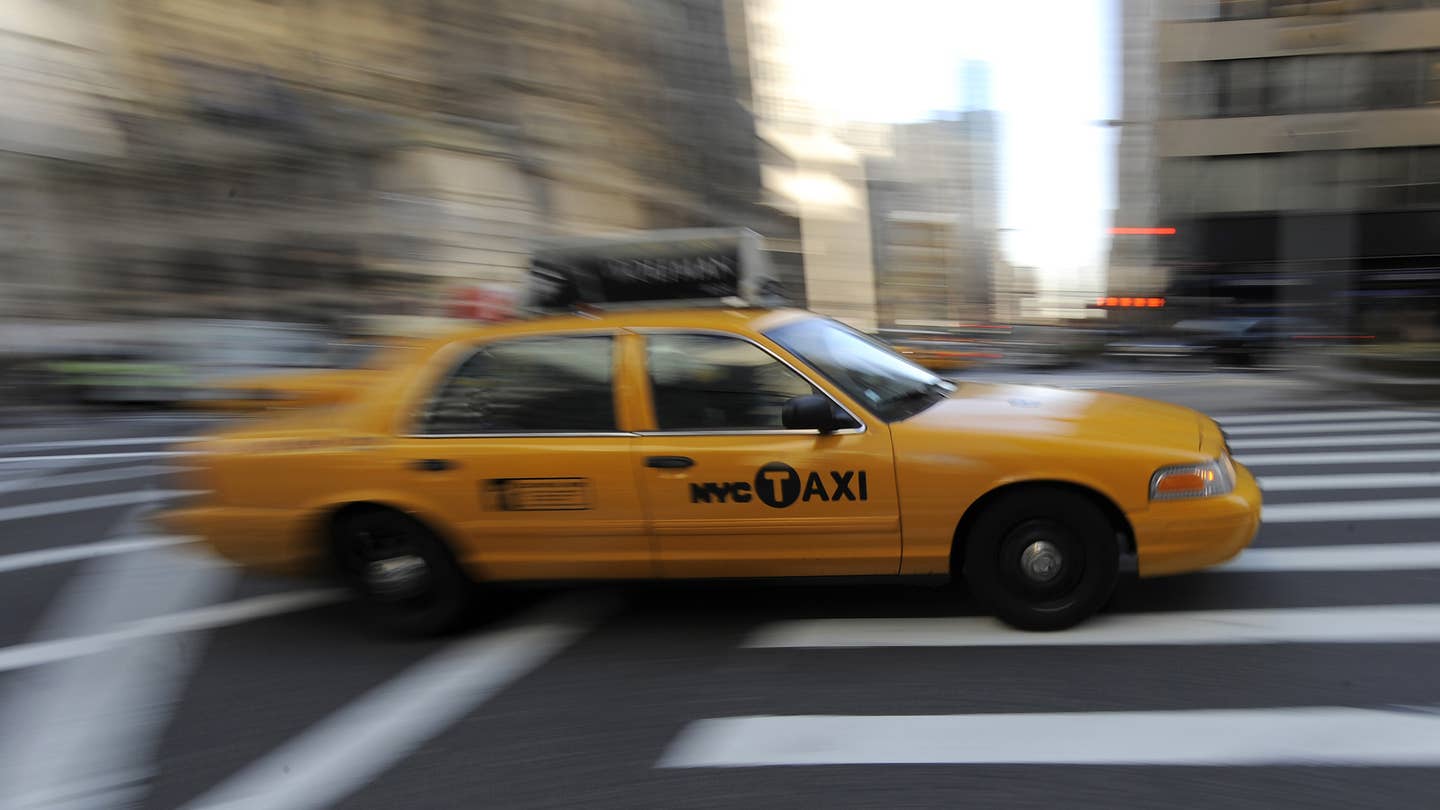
(192, 188)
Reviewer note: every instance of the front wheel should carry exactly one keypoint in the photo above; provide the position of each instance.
(404, 573)
(1042, 558)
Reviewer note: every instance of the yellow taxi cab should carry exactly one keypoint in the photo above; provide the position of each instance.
(716, 442)
(305, 389)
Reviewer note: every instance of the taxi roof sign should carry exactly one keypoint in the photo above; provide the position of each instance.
(709, 266)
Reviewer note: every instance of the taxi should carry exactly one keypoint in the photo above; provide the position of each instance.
(709, 443)
(360, 365)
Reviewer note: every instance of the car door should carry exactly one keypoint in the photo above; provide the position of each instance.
(731, 492)
(520, 446)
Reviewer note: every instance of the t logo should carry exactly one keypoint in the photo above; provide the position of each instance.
(777, 484)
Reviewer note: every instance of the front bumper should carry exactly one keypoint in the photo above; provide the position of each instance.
(1173, 537)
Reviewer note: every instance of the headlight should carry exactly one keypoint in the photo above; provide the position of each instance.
(1216, 477)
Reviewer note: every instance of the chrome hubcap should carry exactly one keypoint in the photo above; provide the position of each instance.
(397, 577)
(1041, 561)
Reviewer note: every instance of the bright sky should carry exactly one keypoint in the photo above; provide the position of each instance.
(1052, 72)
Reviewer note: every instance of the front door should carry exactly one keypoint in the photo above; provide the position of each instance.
(731, 492)
(520, 446)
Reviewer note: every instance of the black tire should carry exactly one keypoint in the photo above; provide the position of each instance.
(1085, 559)
(431, 596)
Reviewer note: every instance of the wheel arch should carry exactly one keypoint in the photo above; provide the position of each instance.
(1107, 506)
(327, 520)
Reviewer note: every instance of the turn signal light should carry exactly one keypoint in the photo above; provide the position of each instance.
(1215, 477)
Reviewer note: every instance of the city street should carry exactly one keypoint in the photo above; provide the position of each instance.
(136, 671)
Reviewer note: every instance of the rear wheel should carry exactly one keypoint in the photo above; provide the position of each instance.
(408, 579)
(1042, 558)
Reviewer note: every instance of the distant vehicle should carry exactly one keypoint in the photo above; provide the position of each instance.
(1246, 341)
(352, 367)
(939, 350)
(174, 362)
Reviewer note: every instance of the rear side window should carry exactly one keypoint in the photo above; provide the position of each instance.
(713, 382)
(556, 384)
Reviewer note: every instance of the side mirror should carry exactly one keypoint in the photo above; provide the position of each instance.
(814, 412)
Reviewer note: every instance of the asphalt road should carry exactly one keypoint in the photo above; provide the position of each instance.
(135, 671)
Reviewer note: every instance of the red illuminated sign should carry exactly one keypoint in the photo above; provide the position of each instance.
(1142, 231)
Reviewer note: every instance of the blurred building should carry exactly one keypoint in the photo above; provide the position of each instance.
(813, 173)
(1132, 268)
(290, 159)
(1017, 293)
(934, 207)
(1297, 150)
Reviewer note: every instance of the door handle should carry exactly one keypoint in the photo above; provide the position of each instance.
(669, 462)
(433, 464)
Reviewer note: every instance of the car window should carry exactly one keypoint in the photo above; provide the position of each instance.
(528, 385)
(883, 381)
(713, 382)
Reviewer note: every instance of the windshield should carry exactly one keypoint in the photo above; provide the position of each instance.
(883, 381)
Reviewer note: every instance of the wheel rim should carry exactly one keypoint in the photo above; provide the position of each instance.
(1042, 562)
(385, 558)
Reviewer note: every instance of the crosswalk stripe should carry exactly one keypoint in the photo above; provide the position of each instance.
(332, 759)
(1368, 624)
(20, 656)
(1359, 557)
(1287, 417)
(93, 477)
(1310, 735)
(1337, 441)
(1386, 481)
(85, 551)
(1333, 427)
(1339, 457)
(97, 456)
(91, 502)
(1395, 509)
(68, 443)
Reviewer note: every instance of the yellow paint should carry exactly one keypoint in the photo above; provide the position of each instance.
(276, 480)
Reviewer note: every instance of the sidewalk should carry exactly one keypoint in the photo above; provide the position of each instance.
(1344, 373)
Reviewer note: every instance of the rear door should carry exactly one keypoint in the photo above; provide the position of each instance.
(519, 445)
(731, 492)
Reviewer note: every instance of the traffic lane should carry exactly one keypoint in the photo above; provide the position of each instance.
(262, 684)
(589, 728)
(29, 596)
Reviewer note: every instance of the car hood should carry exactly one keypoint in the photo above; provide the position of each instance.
(1020, 411)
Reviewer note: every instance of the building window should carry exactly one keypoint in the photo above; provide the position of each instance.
(1241, 9)
(1241, 85)
(1394, 80)
(1432, 77)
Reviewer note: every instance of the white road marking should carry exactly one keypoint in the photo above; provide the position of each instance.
(1361, 557)
(1379, 481)
(93, 477)
(1343, 457)
(86, 551)
(1286, 417)
(90, 502)
(1333, 427)
(1397, 509)
(98, 456)
(21, 656)
(1337, 441)
(1367, 624)
(349, 748)
(1319, 735)
(82, 732)
(60, 445)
